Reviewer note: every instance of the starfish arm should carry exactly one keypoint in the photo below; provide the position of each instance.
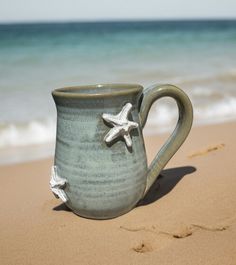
(132, 125)
(52, 181)
(123, 115)
(55, 192)
(62, 195)
(113, 119)
(128, 140)
(112, 134)
(57, 184)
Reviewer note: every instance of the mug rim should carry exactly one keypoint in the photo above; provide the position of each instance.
(119, 89)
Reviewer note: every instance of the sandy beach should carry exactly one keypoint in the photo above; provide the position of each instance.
(188, 217)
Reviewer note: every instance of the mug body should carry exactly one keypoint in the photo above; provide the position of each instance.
(103, 180)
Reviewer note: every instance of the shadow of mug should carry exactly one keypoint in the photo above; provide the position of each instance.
(165, 182)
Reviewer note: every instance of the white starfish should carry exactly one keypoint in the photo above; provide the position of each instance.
(122, 126)
(57, 184)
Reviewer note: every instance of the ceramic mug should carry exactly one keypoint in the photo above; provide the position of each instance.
(100, 168)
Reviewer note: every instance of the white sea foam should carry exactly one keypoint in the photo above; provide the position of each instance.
(162, 118)
(223, 110)
(34, 132)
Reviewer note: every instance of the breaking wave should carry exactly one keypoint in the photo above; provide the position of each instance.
(162, 117)
(34, 132)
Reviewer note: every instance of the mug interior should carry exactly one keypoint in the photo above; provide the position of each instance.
(98, 90)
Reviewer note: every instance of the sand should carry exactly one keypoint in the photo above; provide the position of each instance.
(189, 216)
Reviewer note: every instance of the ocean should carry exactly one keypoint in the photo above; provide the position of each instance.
(197, 56)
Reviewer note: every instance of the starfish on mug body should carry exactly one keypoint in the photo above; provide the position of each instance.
(121, 125)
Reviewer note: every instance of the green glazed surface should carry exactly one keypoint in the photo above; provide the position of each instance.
(105, 181)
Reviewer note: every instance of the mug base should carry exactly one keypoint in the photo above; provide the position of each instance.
(98, 215)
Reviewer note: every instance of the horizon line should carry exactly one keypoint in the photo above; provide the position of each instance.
(115, 20)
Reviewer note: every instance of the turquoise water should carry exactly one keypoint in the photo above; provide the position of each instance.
(198, 56)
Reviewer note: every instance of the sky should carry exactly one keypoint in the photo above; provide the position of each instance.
(90, 10)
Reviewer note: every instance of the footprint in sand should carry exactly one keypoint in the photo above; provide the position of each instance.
(143, 247)
(150, 244)
(216, 228)
(181, 233)
(207, 150)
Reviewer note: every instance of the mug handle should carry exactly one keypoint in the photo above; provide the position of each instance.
(180, 132)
